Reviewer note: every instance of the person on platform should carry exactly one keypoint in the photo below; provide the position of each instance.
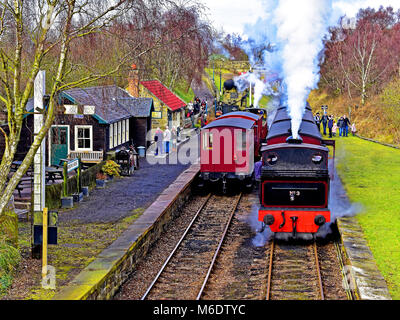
(346, 124)
(353, 129)
(158, 138)
(167, 139)
(324, 120)
(318, 121)
(330, 125)
(174, 136)
(334, 128)
(340, 126)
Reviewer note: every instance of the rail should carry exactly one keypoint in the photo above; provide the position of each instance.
(218, 248)
(175, 249)
(185, 237)
(271, 265)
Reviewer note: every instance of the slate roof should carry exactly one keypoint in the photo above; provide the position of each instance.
(162, 93)
(112, 103)
(137, 107)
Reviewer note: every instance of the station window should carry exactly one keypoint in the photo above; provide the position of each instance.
(83, 137)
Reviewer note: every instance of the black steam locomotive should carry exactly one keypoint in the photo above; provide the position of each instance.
(295, 178)
(232, 100)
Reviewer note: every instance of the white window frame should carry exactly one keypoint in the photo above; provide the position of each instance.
(127, 129)
(119, 133)
(111, 136)
(90, 135)
(123, 140)
(115, 134)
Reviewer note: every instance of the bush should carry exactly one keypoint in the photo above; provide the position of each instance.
(111, 168)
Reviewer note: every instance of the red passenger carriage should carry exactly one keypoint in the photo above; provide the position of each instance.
(229, 146)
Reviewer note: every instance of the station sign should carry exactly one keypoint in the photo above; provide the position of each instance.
(75, 109)
(72, 164)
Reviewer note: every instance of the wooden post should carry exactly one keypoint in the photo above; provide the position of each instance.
(78, 176)
(65, 179)
(44, 244)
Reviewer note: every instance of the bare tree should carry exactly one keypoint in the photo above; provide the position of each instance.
(32, 32)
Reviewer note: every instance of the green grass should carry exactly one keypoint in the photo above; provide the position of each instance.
(186, 96)
(371, 176)
(78, 245)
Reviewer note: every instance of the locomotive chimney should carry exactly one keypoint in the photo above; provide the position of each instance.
(292, 140)
(133, 81)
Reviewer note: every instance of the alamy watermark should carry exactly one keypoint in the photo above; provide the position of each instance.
(228, 146)
(49, 280)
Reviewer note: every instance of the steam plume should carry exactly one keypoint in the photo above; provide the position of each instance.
(291, 42)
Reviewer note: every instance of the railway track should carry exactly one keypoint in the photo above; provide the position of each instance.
(185, 272)
(294, 273)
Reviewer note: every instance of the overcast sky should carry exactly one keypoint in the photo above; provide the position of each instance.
(232, 15)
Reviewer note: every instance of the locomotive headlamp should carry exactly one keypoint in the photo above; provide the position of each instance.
(272, 158)
(269, 219)
(317, 158)
(319, 220)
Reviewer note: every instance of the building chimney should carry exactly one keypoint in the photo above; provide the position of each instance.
(133, 81)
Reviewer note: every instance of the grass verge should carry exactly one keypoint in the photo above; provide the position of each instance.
(78, 245)
(371, 176)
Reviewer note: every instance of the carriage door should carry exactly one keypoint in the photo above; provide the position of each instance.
(59, 144)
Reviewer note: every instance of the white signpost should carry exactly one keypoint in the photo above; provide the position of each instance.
(39, 159)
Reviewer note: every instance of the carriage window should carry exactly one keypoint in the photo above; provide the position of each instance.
(241, 140)
(207, 141)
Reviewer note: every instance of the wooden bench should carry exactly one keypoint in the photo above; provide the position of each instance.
(24, 183)
(21, 209)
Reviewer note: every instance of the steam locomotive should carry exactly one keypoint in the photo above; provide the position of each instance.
(232, 100)
(295, 178)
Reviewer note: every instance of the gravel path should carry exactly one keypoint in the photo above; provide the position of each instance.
(125, 194)
(201, 90)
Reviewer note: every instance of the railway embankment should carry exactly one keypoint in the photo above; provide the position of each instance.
(370, 173)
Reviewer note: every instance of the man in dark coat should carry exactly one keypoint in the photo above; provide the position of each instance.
(330, 125)
(324, 122)
(318, 121)
(340, 126)
(346, 124)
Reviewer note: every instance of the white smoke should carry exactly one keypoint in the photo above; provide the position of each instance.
(261, 87)
(300, 31)
(292, 37)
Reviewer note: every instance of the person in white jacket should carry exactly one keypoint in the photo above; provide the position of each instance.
(167, 139)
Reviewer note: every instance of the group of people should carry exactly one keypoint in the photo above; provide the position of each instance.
(329, 122)
(166, 140)
(197, 107)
